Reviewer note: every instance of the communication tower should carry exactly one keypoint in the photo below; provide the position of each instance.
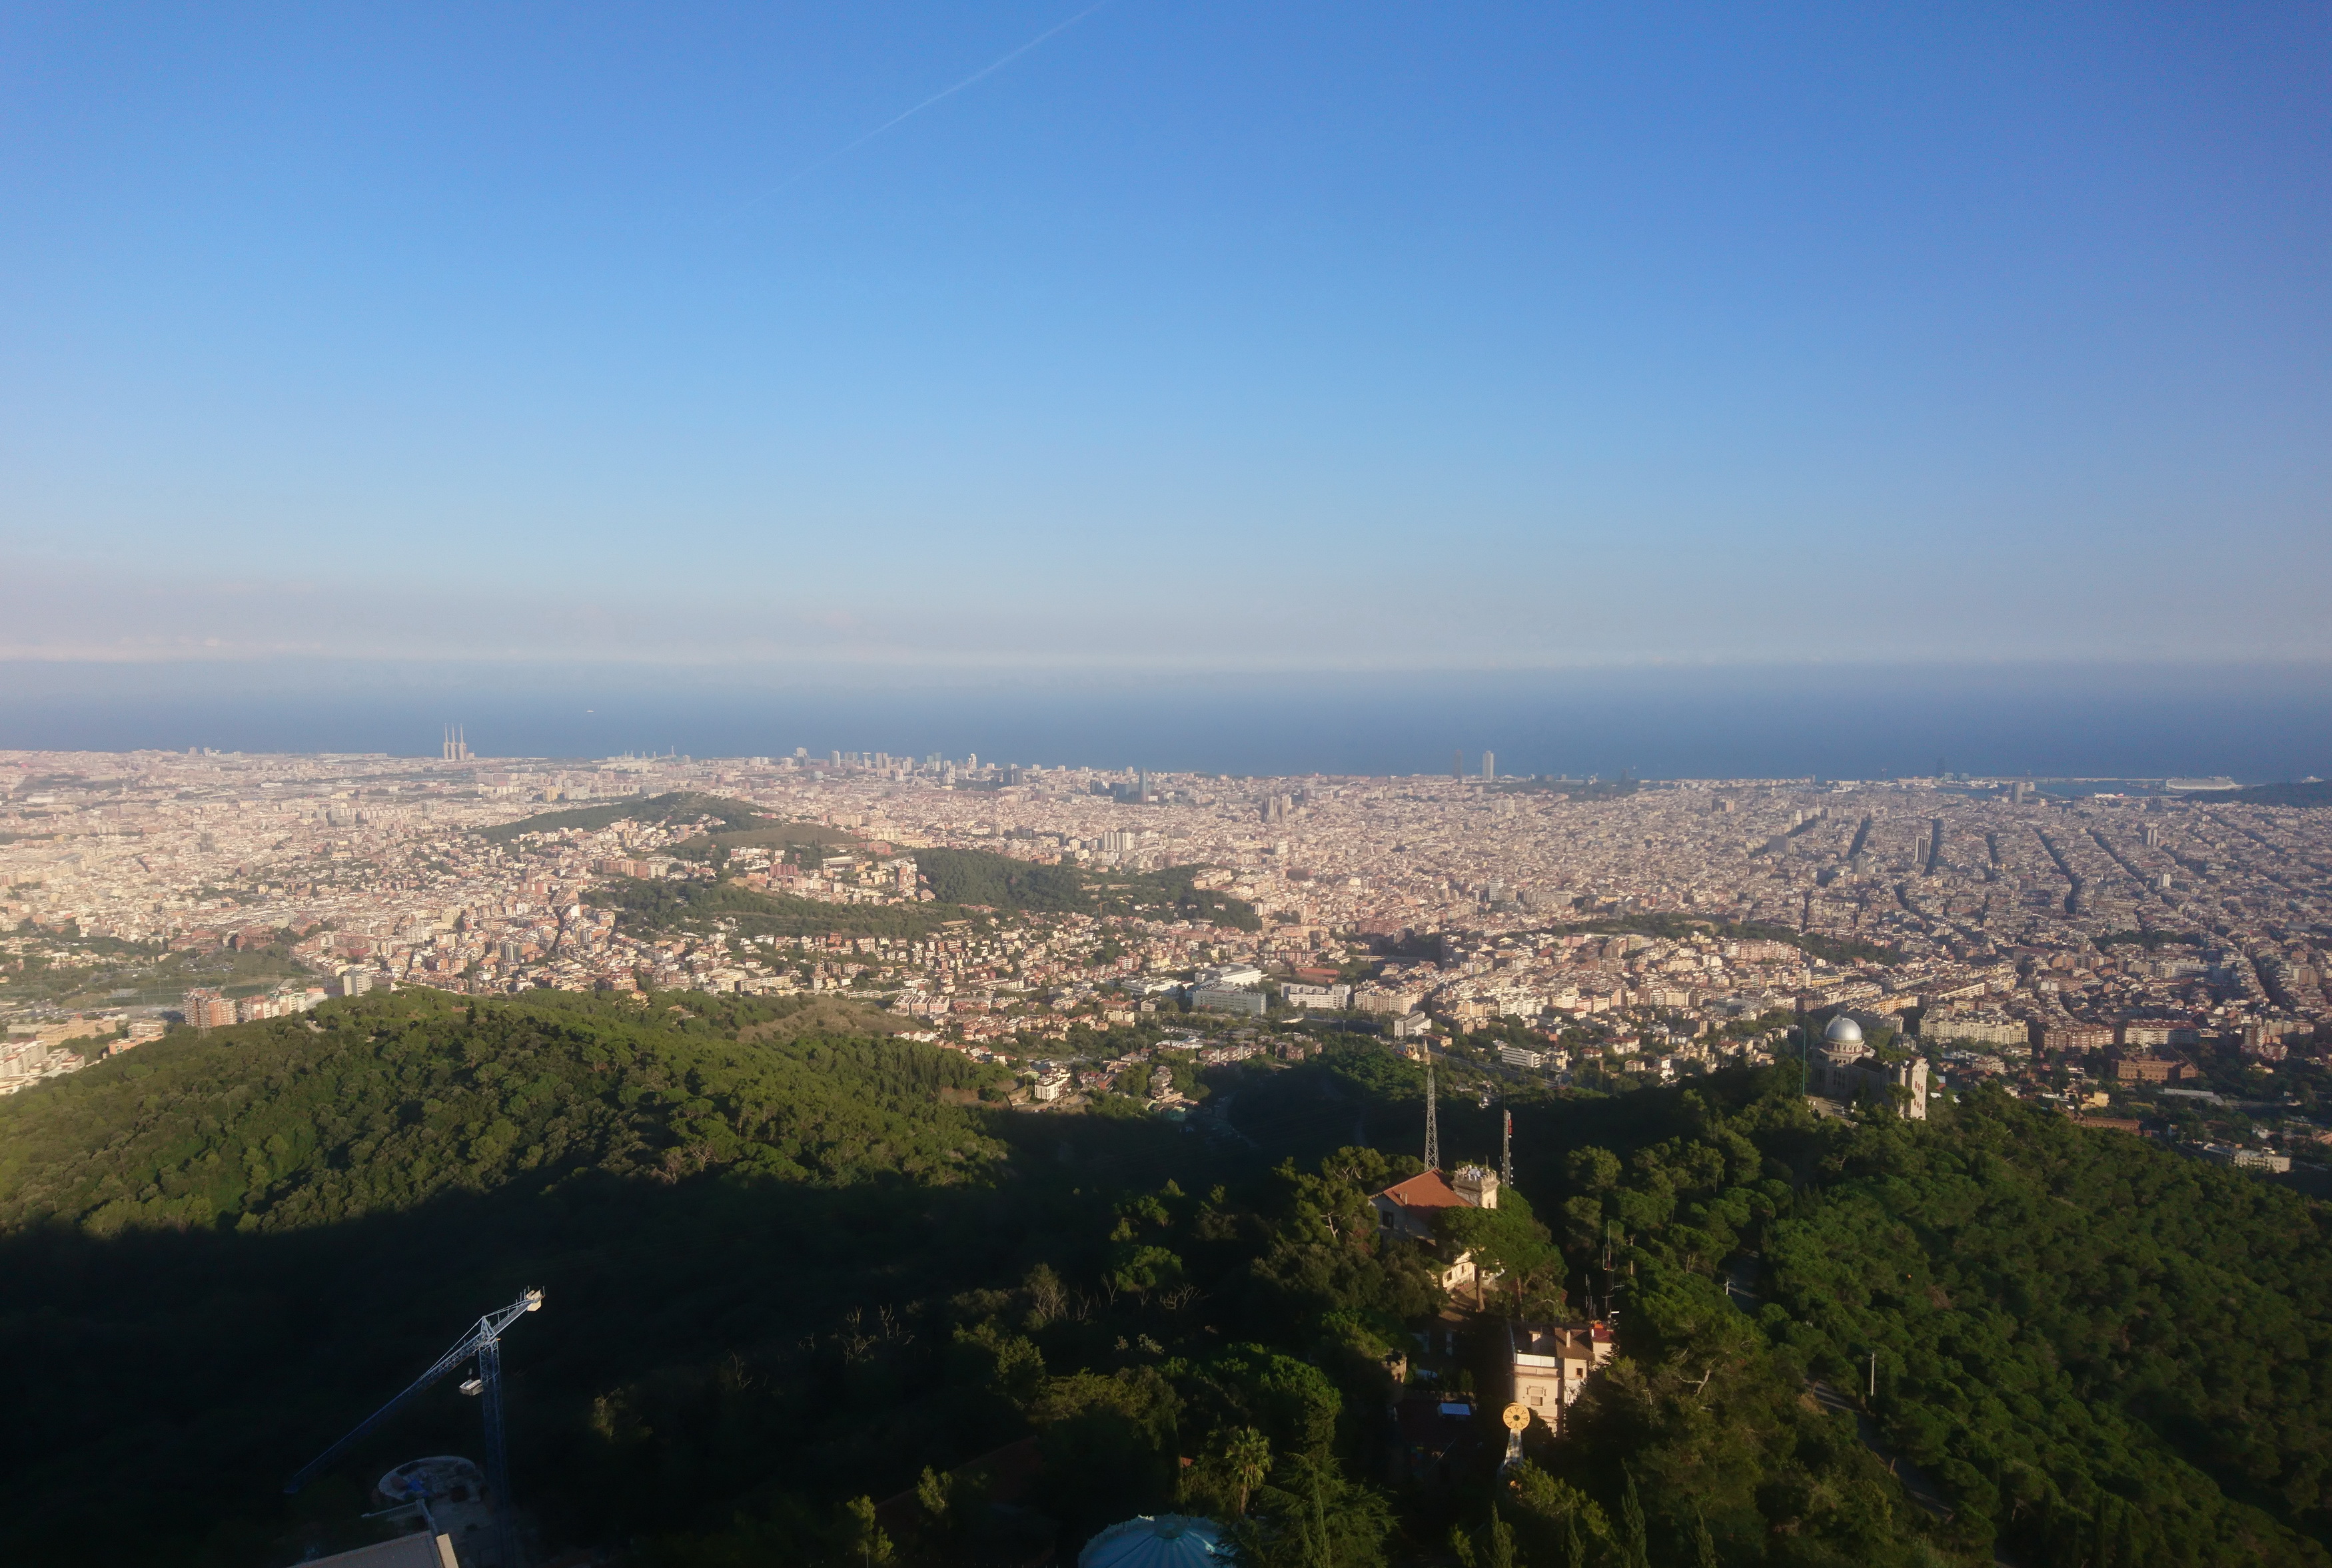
(1432, 1117)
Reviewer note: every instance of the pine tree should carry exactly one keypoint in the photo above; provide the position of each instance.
(868, 1543)
(1635, 1551)
(1501, 1541)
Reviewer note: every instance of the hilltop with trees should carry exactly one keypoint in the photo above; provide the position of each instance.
(1000, 881)
(2315, 791)
(649, 811)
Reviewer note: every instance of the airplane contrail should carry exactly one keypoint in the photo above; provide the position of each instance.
(991, 69)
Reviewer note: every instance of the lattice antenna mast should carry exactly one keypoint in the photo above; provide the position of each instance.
(1432, 1118)
(1506, 1150)
(484, 1342)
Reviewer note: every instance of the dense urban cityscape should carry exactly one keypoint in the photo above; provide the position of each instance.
(2102, 945)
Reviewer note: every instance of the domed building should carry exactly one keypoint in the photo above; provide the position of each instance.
(1162, 1541)
(1842, 1068)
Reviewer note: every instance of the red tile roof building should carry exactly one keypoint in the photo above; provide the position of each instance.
(1408, 1208)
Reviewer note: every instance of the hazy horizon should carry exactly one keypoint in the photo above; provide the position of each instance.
(2256, 723)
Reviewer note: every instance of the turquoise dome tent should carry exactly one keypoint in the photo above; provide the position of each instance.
(1165, 1541)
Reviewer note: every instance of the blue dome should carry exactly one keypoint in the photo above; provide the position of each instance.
(1167, 1541)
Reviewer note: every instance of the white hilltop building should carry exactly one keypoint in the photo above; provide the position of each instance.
(1842, 1068)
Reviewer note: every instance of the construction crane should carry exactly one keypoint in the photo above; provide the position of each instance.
(484, 1342)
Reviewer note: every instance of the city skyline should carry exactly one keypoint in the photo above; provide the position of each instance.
(2257, 723)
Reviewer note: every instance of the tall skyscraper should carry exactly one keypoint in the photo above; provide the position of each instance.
(1489, 764)
(1457, 765)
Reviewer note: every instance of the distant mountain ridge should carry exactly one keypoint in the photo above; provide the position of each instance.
(2312, 792)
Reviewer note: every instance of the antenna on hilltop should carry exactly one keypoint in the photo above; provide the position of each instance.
(1432, 1117)
(1506, 1150)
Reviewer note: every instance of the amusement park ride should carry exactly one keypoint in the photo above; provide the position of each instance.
(424, 1482)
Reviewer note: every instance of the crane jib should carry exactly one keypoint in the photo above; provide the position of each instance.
(483, 1341)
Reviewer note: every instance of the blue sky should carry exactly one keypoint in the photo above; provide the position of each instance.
(1197, 337)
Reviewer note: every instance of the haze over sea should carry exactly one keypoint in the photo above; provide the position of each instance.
(1697, 391)
(2255, 722)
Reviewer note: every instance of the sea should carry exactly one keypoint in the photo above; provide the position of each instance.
(2254, 722)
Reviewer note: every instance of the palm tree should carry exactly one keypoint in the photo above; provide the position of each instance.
(1247, 1455)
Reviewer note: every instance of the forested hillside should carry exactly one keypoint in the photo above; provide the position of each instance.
(2074, 1329)
(1000, 881)
(976, 877)
(2104, 1354)
(652, 810)
(220, 1250)
(389, 1101)
(791, 1274)
(654, 908)
(2313, 792)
